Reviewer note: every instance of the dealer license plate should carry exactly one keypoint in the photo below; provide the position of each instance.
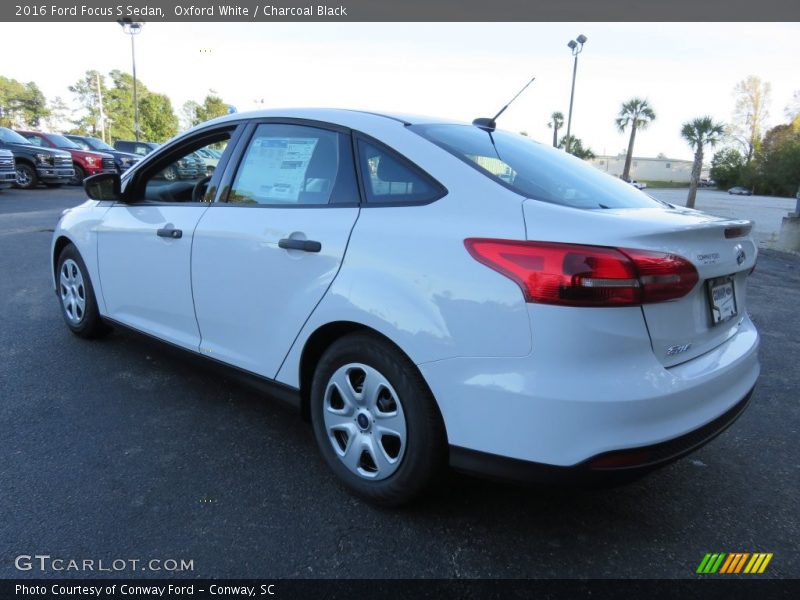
(722, 299)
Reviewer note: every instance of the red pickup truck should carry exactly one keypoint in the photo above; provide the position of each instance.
(85, 163)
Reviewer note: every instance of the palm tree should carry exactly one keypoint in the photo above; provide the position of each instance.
(556, 123)
(638, 114)
(698, 133)
(576, 148)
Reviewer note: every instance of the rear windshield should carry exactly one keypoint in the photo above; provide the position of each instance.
(535, 170)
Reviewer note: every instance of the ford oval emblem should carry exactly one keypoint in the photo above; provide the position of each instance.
(740, 255)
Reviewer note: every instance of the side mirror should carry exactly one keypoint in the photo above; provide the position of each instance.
(103, 186)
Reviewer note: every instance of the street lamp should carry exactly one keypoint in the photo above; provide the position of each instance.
(576, 47)
(133, 28)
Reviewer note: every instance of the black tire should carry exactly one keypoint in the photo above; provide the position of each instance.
(26, 176)
(79, 176)
(85, 322)
(425, 452)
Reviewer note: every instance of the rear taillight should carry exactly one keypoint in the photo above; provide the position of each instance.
(578, 275)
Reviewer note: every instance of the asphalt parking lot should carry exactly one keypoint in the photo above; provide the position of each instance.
(115, 449)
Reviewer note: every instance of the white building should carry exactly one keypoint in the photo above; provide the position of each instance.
(647, 169)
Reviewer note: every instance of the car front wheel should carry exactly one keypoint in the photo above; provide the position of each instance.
(78, 176)
(26, 176)
(375, 420)
(76, 295)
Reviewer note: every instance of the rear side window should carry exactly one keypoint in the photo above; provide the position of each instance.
(295, 165)
(35, 139)
(389, 178)
(535, 170)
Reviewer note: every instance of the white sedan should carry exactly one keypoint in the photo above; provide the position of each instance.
(426, 293)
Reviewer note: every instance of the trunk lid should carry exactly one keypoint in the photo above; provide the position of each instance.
(722, 250)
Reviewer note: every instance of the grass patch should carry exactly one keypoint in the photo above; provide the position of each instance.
(665, 184)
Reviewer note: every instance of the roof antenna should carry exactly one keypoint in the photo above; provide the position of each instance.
(491, 124)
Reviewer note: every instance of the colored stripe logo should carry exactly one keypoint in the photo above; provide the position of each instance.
(734, 563)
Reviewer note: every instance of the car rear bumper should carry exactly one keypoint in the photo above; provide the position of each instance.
(563, 409)
(631, 461)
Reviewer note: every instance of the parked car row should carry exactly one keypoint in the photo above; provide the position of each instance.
(122, 160)
(35, 164)
(54, 159)
(197, 164)
(84, 163)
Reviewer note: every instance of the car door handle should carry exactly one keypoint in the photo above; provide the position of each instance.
(170, 232)
(304, 245)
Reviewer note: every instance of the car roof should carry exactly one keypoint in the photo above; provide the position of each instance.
(34, 132)
(338, 116)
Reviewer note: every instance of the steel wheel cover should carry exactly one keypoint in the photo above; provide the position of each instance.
(364, 421)
(72, 291)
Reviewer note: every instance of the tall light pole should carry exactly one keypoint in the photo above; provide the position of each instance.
(133, 28)
(576, 47)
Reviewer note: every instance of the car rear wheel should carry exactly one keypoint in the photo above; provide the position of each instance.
(375, 420)
(26, 176)
(76, 295)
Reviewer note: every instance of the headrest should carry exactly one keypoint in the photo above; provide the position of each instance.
(390, 169)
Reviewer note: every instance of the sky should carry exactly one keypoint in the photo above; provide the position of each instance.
(454, 70)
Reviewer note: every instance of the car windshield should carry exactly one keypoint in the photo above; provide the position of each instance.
(11, 137)
(83, 144)
(61, 142)
(534, 170)
(98, 144)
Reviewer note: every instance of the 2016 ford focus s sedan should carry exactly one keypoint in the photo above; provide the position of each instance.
(427, 293)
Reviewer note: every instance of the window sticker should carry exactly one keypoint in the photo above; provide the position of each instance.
(275, 168)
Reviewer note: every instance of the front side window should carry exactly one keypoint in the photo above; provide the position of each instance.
(36, 140)
(534, 170)
(182, 175)
(295, 165)
(390, 179)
